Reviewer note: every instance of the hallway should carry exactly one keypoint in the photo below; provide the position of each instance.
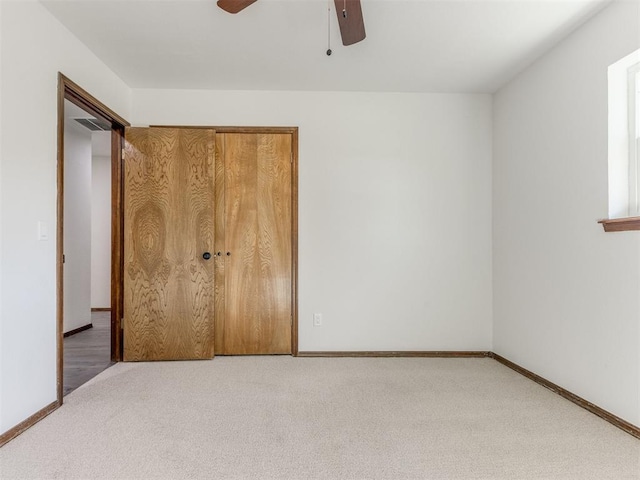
(87, 353)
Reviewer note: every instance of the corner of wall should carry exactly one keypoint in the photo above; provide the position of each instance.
(493, 231)
(556, 275)
(2, 426)
(29, 180)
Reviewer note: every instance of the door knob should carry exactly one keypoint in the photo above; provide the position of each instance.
(206, 255)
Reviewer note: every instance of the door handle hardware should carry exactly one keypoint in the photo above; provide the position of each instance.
(206, 255)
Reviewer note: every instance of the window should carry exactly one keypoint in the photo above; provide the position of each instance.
(624, 135)
(633, 114)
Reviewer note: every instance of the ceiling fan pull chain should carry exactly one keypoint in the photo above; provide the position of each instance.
(328, 27)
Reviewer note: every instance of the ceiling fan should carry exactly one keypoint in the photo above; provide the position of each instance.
(349, 17)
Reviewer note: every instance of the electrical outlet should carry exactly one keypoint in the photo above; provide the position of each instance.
(317, 319)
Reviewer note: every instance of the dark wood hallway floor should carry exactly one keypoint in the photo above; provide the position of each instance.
(87, 353)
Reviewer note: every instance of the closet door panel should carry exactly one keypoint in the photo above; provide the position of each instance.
(168, 225)
(274, 236)
(220, 260)
(257, 200)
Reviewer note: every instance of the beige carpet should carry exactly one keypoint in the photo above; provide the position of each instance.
(319, 418)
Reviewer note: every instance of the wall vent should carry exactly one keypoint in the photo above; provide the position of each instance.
(94, 124)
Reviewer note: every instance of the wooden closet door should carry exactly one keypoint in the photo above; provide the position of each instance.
(255, 314)
(168, 225)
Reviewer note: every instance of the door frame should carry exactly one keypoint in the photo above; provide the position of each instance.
(68, 90)
(293, 131)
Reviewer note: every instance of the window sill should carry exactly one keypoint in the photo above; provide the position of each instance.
(621, 224)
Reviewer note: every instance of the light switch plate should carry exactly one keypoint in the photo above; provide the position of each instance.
(43, 231)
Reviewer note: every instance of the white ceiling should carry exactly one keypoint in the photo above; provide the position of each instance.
(72, 111)
(411, 46)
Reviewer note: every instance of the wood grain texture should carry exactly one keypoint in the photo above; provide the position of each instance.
(169, 224)
(220, 247)
(235, 129)
(62, 92)
(352, 25)
(83, 99)
(621, 224)
(258, 220)
(234, 6)
(117, 242)
(294, 241)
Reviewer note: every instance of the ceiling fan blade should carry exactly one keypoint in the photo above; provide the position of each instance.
(351, 26)
(234, 6)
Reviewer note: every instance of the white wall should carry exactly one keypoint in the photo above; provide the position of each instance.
(35, 46)
(101, 232)
(394, 210)
(566, 294)
(1, 208)
(77, 226)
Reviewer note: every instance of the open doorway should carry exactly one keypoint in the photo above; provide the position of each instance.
(89, 236)
(87, 246)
